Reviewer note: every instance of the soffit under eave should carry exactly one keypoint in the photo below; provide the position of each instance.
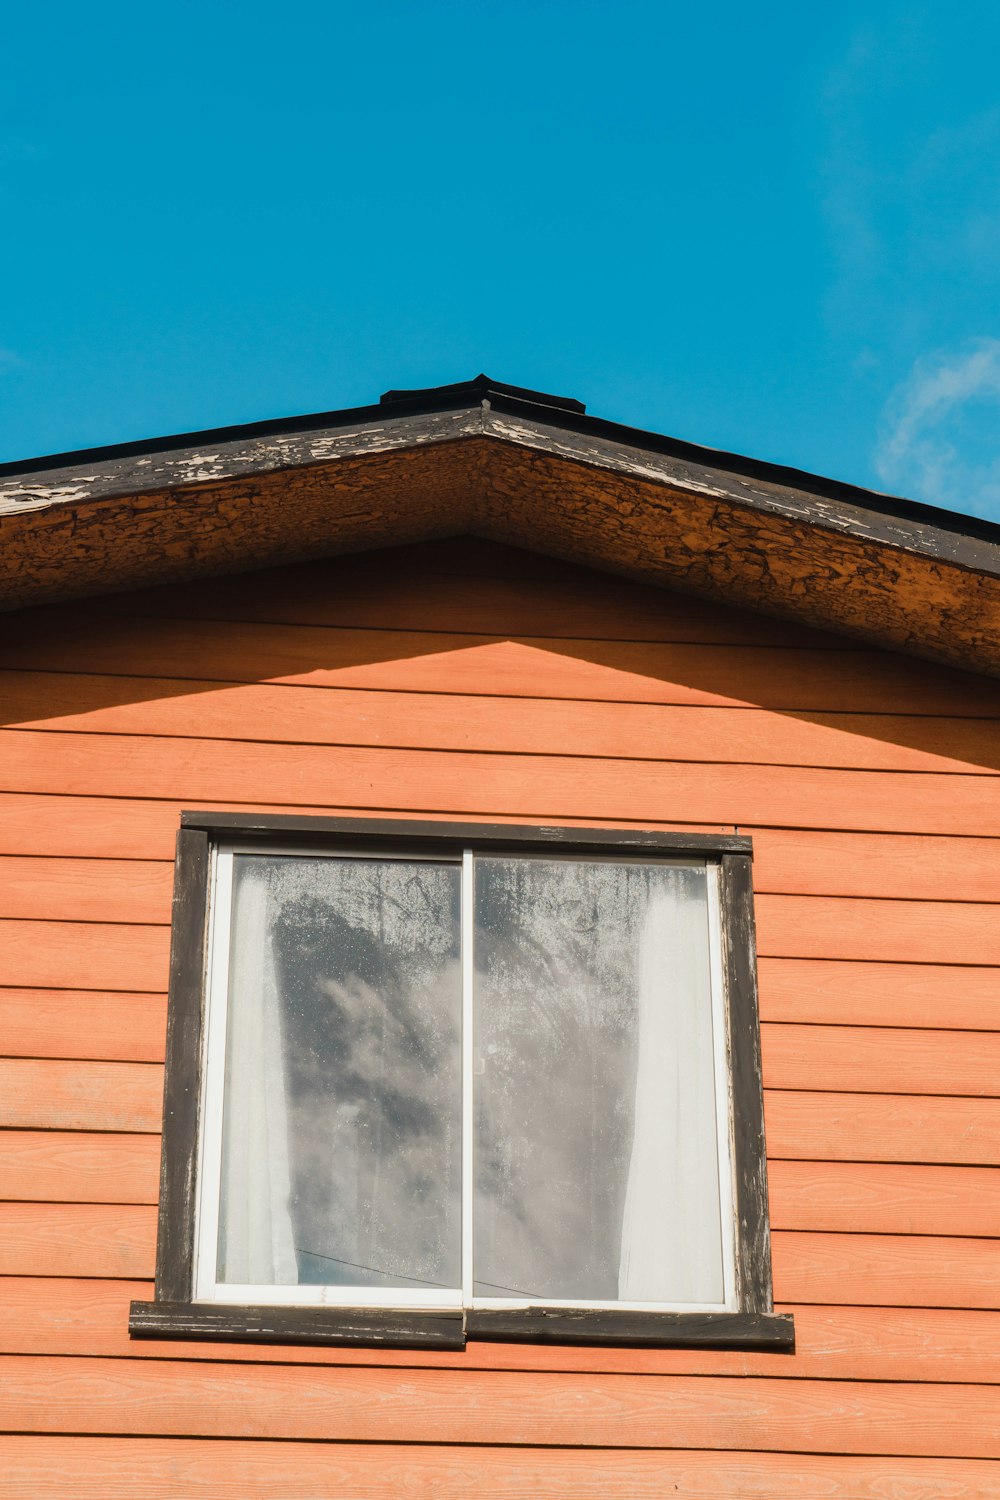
(714, 547)
(729, 537)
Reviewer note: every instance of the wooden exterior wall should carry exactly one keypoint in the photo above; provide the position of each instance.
(464, 680)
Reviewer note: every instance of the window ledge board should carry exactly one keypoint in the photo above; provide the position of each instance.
(363, 1327)
(560, 1325)
(386, 1329)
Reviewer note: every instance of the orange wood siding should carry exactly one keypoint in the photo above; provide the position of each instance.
(459, 679)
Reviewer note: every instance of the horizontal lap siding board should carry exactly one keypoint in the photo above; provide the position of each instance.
(92, 955)
(882, 1198)
(54, 1166)
(91, 1024)
(548, 787)
(77, 1239)
(910, 866)
(161, 1469)
(86, 890)
(487, 690)
(881, 1060)
(860, 993)
(881, 1127)
(64, 1094)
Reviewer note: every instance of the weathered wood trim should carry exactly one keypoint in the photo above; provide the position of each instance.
(517, 467)
(496, 836)
(558, 426)
(182, 1091)
(559, 1325)
(966, 541)
(376, 1328)
(224, 454)
(753, 1238)
(365, 1327)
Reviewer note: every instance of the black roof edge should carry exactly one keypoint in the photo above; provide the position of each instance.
(481, 388)
(555, 411)
(272, 427)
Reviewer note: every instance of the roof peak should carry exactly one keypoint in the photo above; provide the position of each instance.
(480, 387)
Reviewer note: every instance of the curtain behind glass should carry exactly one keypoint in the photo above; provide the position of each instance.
(596, 1140)
(342, 1109)
(256, 1240)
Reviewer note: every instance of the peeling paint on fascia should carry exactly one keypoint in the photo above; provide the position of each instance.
(18, 501)
(548, 440)
(234, 461)
(676, 473)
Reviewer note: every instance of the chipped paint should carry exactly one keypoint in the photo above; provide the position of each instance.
(124, 520)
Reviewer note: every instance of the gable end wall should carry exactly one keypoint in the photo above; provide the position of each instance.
(463, 680)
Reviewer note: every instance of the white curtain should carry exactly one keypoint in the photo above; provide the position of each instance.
(671, 1247)
(257, 1226)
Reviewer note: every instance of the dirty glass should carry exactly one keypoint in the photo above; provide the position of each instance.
(596, 1146)
(342, 1101)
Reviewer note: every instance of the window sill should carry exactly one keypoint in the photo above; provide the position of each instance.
(372, 1328)
(561, 1325)
(387, 1329)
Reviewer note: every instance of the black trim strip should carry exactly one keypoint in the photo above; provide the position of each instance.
(182, 1088)
(392, 1329)
(753, 1233)
(558, 1325)
(364, 1327)
(430, 834)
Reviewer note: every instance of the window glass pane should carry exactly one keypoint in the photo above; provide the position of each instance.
(596, 1141)
(341, 1158)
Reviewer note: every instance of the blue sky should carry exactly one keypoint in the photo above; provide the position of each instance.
(769, 228)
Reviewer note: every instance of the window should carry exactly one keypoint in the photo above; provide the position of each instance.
(428, 1082)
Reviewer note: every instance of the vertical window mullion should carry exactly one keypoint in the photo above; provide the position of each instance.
(468, 1067)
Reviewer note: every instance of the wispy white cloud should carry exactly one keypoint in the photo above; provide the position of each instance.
(940, 430)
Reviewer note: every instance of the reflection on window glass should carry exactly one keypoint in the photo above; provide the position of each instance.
(342, 1115)
(595, 1128)
(595, 1173)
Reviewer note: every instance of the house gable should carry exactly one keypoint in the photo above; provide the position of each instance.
(515, 467)
(465, 679)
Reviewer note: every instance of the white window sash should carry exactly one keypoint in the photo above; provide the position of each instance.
(207, 1286)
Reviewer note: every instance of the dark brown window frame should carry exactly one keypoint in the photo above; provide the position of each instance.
(174, 1314)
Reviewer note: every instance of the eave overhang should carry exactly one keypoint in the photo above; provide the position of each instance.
(514, 466)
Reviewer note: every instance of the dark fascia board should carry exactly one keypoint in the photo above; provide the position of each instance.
(555, 413)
